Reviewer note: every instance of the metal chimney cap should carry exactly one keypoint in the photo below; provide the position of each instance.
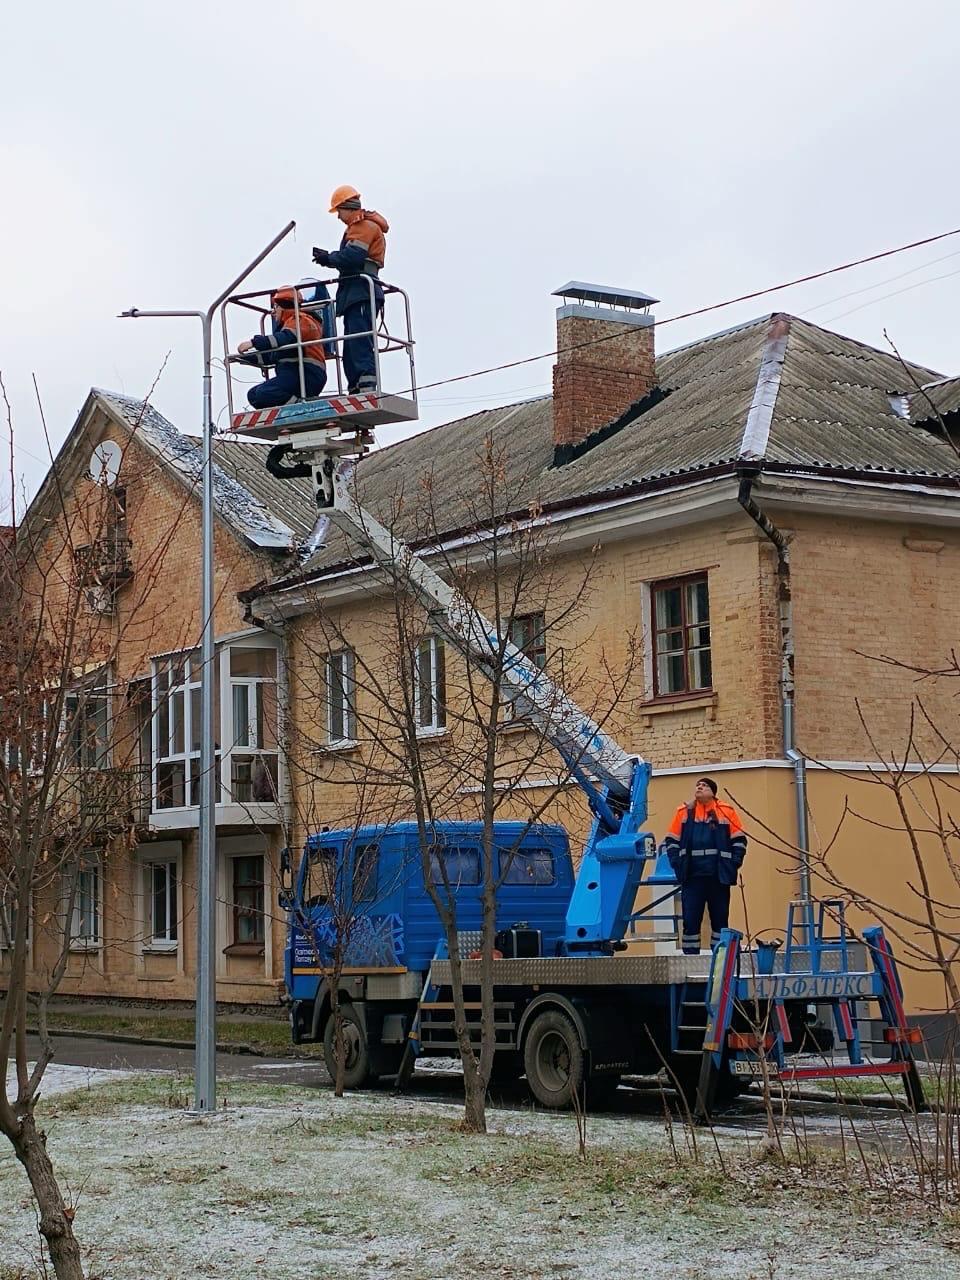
(605, 295)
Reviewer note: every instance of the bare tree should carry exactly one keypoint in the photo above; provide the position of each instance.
(71, 615)
(437, 734)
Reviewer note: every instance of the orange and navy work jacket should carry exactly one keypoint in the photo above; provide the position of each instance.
(706, 840)
(362, 252)
(280, 346)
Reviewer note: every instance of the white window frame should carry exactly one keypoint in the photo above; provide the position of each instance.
(152, 942)
(228, 747)
(167, 753)
(344, 662)
(89, 864)
(252, 748)
(435, 722)
(85, 694)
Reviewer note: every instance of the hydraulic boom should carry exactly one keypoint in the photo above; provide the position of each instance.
(615, 782)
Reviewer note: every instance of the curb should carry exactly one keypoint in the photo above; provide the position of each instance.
(117, 1037)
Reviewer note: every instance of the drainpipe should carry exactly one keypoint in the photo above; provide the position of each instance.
(748, 474)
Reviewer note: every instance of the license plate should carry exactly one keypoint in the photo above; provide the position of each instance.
(750, 1067)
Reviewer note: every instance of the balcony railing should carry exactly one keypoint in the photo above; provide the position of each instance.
(105, 562)
(108, 799)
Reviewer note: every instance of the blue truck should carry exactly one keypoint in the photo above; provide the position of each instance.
(573, 1009)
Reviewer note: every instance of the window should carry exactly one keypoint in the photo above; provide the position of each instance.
(366, 860)
(245, 719)
(681, 636)
(161, 896)
(254, 742)
(341, 696)
(528, 633)
(177, 726)
(248, 901)
(462, 865)
(87, 724)
(527, 866)
(430, 685)
(321, 874)
(85, 920)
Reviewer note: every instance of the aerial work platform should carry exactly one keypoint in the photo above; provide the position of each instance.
(391, 401)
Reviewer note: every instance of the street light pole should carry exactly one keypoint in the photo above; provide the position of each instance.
(205, 1071)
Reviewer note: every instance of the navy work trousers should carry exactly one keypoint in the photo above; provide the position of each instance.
(284, 386)
(695, 894)
(359, 362)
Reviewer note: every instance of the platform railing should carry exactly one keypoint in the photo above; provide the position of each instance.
(384, 342)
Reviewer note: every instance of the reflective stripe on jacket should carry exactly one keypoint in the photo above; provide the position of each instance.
(280, 346)
(709, 841)
(362, 251)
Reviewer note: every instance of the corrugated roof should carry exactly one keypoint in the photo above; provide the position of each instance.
(264, 519)
(826, 407)
(940, 397)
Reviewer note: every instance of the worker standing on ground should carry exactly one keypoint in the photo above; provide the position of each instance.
(279, 350)
(360, 256)
(706, 846)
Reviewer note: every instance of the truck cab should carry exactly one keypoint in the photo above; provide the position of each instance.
(360, 914)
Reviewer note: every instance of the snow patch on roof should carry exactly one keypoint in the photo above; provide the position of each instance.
(232, 502)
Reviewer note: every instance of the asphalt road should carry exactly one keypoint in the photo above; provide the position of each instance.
(87, 1052)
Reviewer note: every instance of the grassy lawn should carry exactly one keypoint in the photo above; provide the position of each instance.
(285, 1181)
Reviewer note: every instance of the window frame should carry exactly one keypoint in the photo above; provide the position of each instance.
(535, 653)
(92, 693)
(89, 864)
(251, 766)
(681, 581)
(153, 942)
(346, 660)
(509, 859)
(438, 856)
(436, 723)
(237, 910)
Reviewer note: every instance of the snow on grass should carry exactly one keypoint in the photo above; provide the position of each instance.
(288, 1182)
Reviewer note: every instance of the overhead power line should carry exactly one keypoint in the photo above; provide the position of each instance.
(697, 311)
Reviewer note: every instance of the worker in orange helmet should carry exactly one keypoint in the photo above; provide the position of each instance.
(706, 846)
(360, 256)
(279, 350)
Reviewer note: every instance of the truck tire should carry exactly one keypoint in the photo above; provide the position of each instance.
(356, 1072)
(553, 1059)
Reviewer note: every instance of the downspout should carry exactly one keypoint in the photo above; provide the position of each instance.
(748, 474)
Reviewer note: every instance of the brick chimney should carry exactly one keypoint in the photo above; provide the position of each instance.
(593, 385)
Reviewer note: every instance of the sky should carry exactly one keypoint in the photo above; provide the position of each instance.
(692, 150)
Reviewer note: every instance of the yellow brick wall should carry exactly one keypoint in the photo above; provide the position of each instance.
(158, 611)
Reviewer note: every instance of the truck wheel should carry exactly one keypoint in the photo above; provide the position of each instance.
(356, 1067)
(553, 1059)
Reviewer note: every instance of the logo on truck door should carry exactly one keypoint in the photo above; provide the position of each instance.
(367, 942)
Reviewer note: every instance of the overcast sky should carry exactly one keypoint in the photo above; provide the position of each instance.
(691, 150)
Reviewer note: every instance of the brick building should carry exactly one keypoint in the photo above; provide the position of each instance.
(759, 510)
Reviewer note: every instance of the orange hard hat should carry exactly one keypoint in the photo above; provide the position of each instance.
(342, 194)
(285, 296)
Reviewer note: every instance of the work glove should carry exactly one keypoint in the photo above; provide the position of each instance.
(321, 256)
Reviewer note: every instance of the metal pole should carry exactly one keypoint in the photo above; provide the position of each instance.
(205, 1073)
(205, 1069)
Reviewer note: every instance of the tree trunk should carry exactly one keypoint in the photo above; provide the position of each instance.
(475, 1099)
(56, 1220)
